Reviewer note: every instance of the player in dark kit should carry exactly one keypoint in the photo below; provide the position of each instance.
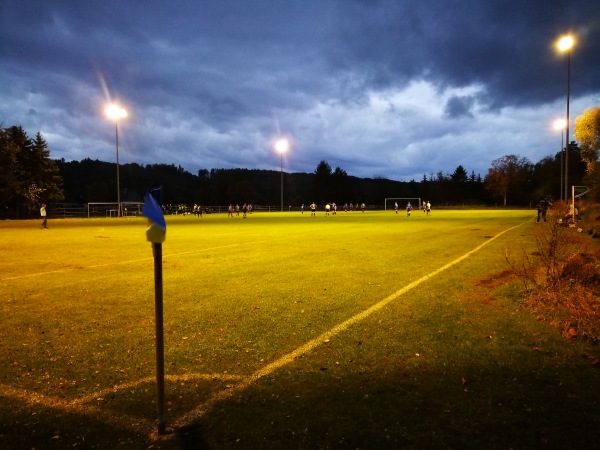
(542, 209)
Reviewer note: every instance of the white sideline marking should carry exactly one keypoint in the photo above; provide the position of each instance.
(217, 397)
(132, 261)
(174, 378)
(85, 407)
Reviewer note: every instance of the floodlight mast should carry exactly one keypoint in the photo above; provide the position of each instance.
(560, 124)
(565, 44)
(115, 112)
(282, 145)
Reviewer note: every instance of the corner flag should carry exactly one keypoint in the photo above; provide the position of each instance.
(157, 230)
(153, 212)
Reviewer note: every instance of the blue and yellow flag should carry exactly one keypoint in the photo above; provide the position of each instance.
(157, 229)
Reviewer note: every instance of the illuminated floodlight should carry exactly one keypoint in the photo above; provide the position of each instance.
(282, 145)
(115, 112)
(565, 43)
(560, 124)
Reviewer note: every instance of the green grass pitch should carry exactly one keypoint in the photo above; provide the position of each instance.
(276, 335)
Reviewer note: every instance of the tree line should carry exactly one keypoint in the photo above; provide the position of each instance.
(28, 177)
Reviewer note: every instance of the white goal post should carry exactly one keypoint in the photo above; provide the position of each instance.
(402, 201)
(576, 193)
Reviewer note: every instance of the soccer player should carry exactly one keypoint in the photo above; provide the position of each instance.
(542, 209)
(43, 215)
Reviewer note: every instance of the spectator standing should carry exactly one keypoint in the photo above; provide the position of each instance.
(542, 209)
(43, 216)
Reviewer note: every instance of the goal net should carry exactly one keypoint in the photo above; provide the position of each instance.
(132, 208)
(111, 209)
(390, 202)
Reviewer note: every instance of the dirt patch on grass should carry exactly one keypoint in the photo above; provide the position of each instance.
(495, 280)
(482, 291)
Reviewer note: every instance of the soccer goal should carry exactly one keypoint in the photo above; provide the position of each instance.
(577, 193)
(402, 202)
(111, 209)
(131, 208)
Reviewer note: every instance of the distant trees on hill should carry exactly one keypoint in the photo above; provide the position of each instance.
(28, 177)
(94, 181)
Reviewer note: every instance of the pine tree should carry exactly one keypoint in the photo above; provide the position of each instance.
(29, 176)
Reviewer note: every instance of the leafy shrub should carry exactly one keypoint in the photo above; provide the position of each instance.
(562, 278)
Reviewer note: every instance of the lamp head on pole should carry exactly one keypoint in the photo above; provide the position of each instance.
(560, 124)
(565, 43)
(115, 112)
(282, 145)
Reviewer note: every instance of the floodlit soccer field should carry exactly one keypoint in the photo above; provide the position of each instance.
(245, 300)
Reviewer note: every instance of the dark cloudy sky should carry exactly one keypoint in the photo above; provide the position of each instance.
(390, 88)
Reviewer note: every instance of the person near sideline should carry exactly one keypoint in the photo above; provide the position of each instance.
(542, 209)
(43, 216)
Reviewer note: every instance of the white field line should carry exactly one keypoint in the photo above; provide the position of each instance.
(83, 406)
(310, 345)
(133, 261)
(109, 417)
(143, 425)
(173, 378)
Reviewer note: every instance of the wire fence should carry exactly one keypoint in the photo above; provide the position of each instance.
(76, 210)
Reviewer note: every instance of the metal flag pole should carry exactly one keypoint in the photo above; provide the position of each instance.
(160, 346)
(156, 234)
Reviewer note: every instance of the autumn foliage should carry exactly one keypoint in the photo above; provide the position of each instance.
(562, 278)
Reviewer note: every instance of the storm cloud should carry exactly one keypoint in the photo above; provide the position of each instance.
(386, 88)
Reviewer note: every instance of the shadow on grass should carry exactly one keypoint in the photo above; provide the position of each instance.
(388, 406)
(43, 428)
(477, 407)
